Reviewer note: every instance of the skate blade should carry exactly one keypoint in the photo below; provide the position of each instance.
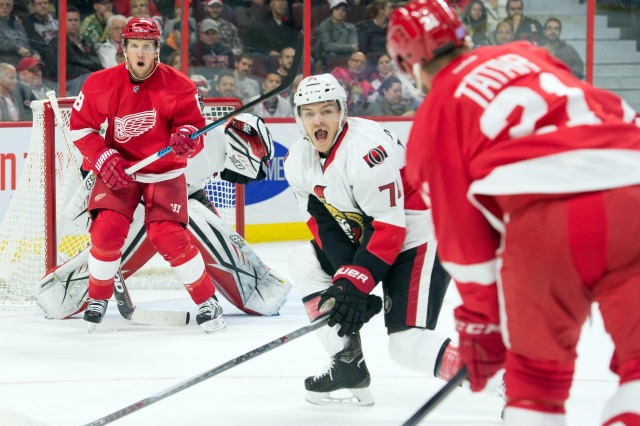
(360, 397)
(91, 327)
(213, 326)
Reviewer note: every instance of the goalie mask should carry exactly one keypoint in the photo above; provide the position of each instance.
(316, 89)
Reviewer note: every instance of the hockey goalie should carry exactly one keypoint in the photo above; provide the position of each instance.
(240, 153)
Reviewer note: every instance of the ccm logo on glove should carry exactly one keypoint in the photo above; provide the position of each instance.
(476, 329)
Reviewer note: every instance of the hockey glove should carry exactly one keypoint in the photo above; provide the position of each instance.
(249, 146)
(481, 347)
(348, 299)
(110, 165)
(182, 144)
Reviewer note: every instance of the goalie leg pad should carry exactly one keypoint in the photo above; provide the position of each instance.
(63, 291)
(236, 270)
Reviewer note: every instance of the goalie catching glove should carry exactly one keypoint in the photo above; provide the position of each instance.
(349, 300)
(249, 146)
(110, 165)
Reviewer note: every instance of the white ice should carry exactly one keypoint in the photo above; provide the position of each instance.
(55, 373)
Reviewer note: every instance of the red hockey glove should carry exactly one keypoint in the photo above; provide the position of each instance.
(110, 165)
(182, 144)
(349, 300)
(481, 347)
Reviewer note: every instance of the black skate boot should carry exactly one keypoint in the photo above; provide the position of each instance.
(210, 316)
(94, 313)
(346, 370)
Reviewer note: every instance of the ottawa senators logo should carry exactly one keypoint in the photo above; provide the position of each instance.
(375, 157)
(351, 223)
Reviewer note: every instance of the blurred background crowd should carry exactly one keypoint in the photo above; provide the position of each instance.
(242, 48)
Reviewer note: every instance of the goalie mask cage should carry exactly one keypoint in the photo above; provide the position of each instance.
(35, 235)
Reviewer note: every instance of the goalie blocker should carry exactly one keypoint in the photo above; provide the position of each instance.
(241, 152)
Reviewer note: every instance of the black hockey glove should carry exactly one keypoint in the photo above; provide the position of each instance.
(348, 299)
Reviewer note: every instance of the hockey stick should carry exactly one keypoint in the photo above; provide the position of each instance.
(286, 82)
(208, 374)
(438, 397)
(125, 306)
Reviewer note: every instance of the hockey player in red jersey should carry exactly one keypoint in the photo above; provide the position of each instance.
(531, 175)
(122, 115)
(368, 226)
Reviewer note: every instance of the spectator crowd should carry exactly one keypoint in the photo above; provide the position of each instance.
(242, 48)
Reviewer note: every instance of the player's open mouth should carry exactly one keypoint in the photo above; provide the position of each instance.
(140, 64)
(321, 135)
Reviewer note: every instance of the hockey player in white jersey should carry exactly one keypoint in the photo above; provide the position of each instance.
(368, 227)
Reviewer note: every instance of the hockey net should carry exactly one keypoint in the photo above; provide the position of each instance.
(35, 235)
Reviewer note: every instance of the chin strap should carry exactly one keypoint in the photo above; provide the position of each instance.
(156, 62)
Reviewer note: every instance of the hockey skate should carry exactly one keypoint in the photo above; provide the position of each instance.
(210, 316)
(94, 313)
(346, 371)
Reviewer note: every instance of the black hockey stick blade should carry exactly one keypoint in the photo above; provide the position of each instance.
(286, 83)
(144, 316)
(438, 397)
(208, 374)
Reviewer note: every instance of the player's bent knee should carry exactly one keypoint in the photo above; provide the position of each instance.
(306, 272)
(170, 239)
(416, 348)
(109, 231)
(537, 380)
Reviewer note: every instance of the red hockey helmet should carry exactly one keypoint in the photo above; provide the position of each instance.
(141, 28)
(422, 30)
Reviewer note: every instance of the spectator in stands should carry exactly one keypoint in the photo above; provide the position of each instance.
(504, 33)
(354, 77)
(228, 33)
(246, 11)
(41, 26)
(14, 44)
(225, 85)
(30, 75)
(560, 48)
(174, 38)
(209, 55)
(94, 26)
(175, 24)
(275, 106)
(475, 20)
(142, 9)
(175, 60)
(335, 36)
(372, 33)
(107, 51)
(247, 87)
(273, 32)
(123, 7)
(384, 70)
(202, 84)
(496, 12)
(82, 58)
(524, 27)
(285, 61)
(9, 107)
(30, 87)
(389, 100)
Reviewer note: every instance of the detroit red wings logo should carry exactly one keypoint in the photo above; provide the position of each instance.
(133, 125)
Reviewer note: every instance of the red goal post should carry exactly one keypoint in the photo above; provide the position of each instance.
(35, 235)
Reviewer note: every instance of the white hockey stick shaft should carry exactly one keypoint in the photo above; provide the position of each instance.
(208, 374)
(125, 306)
